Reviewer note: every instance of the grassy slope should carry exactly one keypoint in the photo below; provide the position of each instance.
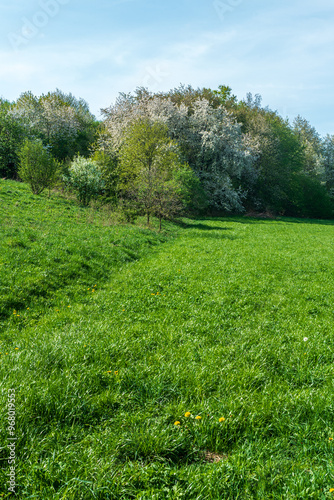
(212, 322)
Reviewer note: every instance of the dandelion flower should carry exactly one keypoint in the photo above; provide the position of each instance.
(330, 439)
(305, 339)
(187, 414)
(109, 371)
(222, 419)
(331, 490)
(198, 417)
(177, 423)
(16, 348)
(116, 372)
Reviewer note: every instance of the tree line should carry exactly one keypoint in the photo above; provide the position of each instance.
(164, 153)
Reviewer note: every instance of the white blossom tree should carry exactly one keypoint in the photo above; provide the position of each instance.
(58, 119)
(210, 139)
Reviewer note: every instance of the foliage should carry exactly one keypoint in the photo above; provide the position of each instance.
(328, 163)
(311, 199)
(311, 143)
(63, 122)
(210, 140)
(37, 166)
(148, 160)
(11, 136)
(85, 178)
(108, 163)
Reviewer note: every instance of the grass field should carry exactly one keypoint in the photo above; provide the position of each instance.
(112, 334)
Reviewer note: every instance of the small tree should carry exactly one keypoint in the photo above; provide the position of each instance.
(85, 177)
(37, 166)
(148, 162)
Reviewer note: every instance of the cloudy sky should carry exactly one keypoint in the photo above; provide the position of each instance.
(281, 49)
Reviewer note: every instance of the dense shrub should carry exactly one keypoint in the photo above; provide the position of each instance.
(85, 178)
(37, 166)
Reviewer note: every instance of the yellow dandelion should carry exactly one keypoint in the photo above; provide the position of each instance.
(187, 414)
(68, 306)
(116, 372)
(28, 308)
(198, 417)
(93, 290)
(16, 348)
(152, 293)
(331, 490)
(123, 310)
(222, 419)
(109, 371)
(88, 288)
(177, 423)
(330, 439)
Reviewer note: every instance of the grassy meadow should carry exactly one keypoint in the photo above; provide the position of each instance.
(196, 363)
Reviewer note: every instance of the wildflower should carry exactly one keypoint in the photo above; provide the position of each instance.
(93, 290)
(109, 371)
(116, 372)
(177, 423)
(331, 490)
(305, 339)
(187, 414)
(28, 308)
(222, 419)
(198, 417)
(68, 306)
(16, 348)
(330, 439)
(152, 293)
(123, 310)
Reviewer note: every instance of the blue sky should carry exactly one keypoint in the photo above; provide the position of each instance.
(283, 50)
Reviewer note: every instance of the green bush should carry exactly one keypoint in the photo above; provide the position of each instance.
(37, 166)
(310, 198)
(85, 178)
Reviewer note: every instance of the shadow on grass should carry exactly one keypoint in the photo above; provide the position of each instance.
(243, 219)
(204, 227)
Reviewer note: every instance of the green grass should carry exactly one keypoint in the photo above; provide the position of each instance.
(209, 317)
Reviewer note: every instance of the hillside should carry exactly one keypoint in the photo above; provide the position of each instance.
(111, 334)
